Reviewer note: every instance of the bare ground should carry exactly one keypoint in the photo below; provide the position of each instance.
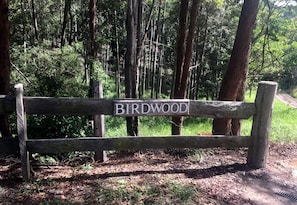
(220, 176)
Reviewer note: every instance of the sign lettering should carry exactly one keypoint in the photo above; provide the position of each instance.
(151, 107)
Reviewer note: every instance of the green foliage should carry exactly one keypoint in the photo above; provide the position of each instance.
(42, 126)
(274, 46)
(44, 159)
(219, 3)
(106, 80)
(86, 166)
(217, 26)
(115, 126)
(50, 72)
(54, 73)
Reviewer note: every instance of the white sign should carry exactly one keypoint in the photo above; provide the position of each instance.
(151, 107)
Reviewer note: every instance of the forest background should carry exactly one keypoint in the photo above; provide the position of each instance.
(58, 48)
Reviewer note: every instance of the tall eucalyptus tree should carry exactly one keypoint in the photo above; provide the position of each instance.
(234, 81)
(4, 63)
(184, 55)
(131, 66)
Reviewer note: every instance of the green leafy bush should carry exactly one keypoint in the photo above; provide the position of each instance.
(54, 72)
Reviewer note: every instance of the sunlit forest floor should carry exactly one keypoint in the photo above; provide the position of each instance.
(211, 176)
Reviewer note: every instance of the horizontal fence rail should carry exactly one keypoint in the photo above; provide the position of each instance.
(9, 145)
(134, 143)
(7, 104)
(91, 106)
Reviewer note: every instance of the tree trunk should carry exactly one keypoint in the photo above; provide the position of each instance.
(236, 73)
(236, 123)
(117, 56)
(183, 21)
(34, 19)
(92, 27)
(65, 19)
(157, 63)
(131, 67)
(162, 48)
(184, 57)
(4, 63)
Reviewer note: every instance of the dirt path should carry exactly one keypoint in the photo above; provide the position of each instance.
(220, 175)
(274, 185)
(287, 99)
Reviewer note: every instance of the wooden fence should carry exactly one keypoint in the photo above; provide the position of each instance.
(257, 142)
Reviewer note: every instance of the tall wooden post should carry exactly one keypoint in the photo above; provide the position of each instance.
(22, 131)
(259, 142)
(99, 127)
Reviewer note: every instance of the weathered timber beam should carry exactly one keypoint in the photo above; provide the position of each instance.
(68, 106)
(7, 104)
(222, 109)
(9, 145)
(90, 106)
(259, 145)
(134, 143)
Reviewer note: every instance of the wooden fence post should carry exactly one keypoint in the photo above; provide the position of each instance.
(99, 127)
(22, 131)
(259, 141)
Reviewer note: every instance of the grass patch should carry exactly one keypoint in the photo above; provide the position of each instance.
(148, 192)
(161, 126)
(283, 126)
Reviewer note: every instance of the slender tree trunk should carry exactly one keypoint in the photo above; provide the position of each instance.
(70, 33)
(4, 63)
(162, 49)
(183, 21)
(200, 53)
(117, 56)
(154, 58)
(92, 27)
(34, 19)
(65, 20)
(184, 57)
(141, 39)
(24, 7)
(189, 50)
(157, 52)
(131, 68)
(236, 73)
(75, 25)
(151, 71)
